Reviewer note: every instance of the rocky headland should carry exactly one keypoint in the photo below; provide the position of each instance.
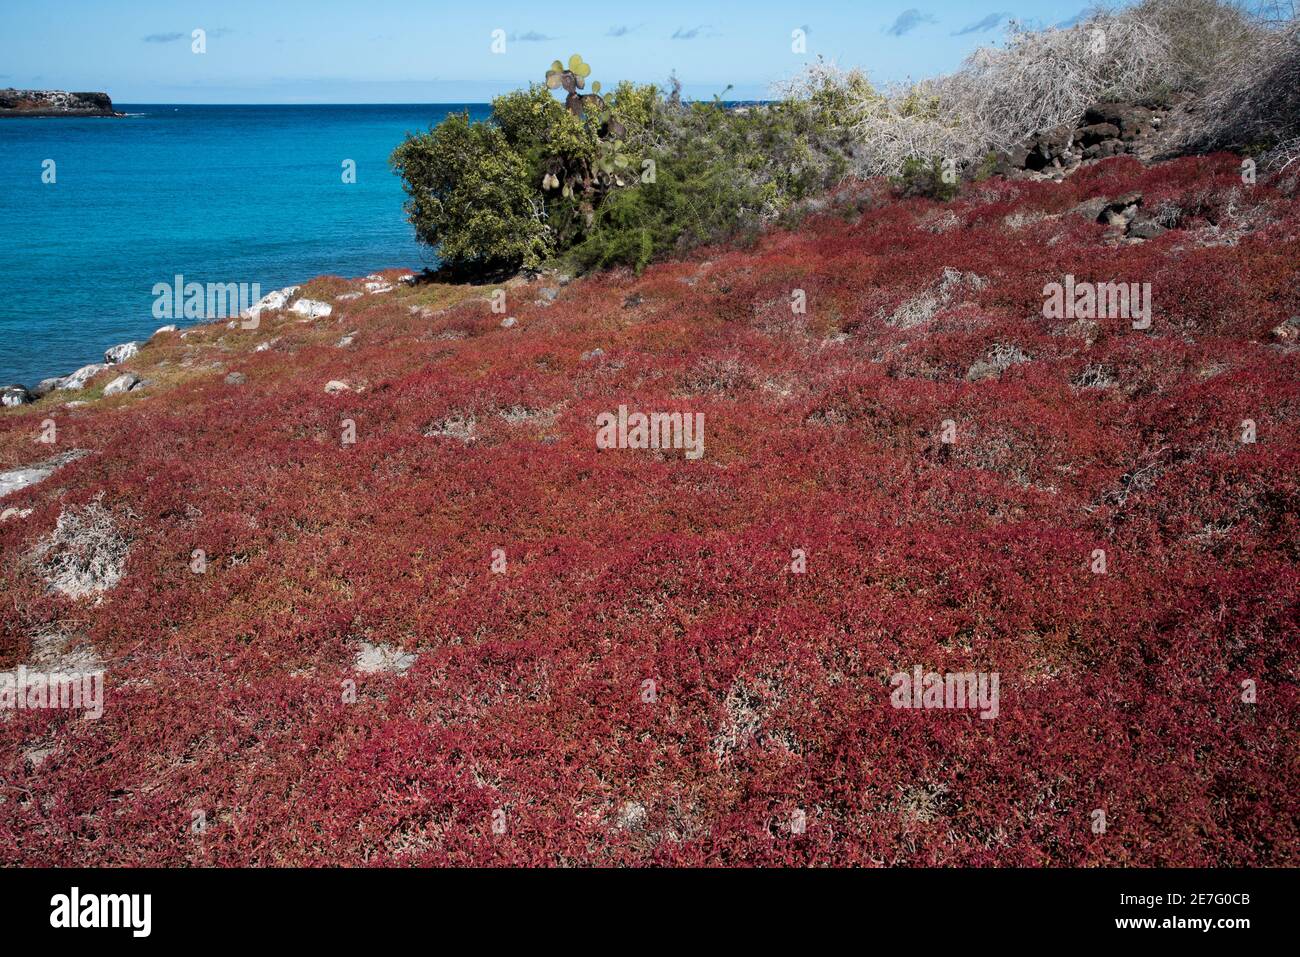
(54, 103)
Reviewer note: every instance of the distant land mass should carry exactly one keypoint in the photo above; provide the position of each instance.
(44, 103)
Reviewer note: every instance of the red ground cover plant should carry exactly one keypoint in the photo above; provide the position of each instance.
(526, 705)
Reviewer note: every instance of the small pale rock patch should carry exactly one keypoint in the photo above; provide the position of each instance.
(18, 479)
(334, 387)
(311, 308)
(458, 426)
(35, 756)
(519, 414)
(14, 395)
(375, 658)
(1288, 331)
(1094, 377)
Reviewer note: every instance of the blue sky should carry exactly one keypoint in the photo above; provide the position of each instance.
(397, 51)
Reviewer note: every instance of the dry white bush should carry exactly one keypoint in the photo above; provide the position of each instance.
(999, 97)
(1042, 79)
(1256, 100)
(1203, 36)
(888, 127)
(85, 554)
(936, 297)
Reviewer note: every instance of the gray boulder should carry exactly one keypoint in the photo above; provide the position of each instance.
(18, 479)
(12, 395)
(79, 378)
(119, 354)
(122, 384)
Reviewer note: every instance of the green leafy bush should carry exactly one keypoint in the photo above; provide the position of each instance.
(618, 180)
(471, 196)
(920, 177)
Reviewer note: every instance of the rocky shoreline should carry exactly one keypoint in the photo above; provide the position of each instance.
(48, 104)
(17, 394)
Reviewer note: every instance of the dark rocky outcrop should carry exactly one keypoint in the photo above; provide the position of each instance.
(51, 103)
(1145, 129)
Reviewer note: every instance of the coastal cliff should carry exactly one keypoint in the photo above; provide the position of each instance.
(47, 103)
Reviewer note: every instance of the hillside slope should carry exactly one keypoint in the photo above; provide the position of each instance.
(638, 676)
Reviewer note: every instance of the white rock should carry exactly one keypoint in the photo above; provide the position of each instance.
(311, 308)
(14, 395)
(334, 387)
(119, 354)
(269, 303)
(407, 280)
(123, 383)
(14, 513)
(348, 297)
(83, 375)
(377, 288)
(509, 322)
(375, 658)
(161, 329)
(18, 479)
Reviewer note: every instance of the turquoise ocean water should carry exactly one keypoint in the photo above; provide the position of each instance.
(244, 194)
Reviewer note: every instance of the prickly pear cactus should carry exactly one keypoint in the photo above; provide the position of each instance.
(571, 79)
(584, 182)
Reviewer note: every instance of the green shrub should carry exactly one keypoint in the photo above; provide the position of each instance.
(471, 198)
(622, 180)
(920, 177)
(719, 174)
